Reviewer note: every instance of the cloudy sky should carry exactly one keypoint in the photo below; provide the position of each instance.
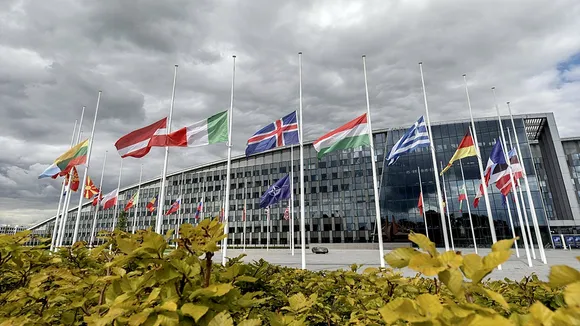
(55, 55)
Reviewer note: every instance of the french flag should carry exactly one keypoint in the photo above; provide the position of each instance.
(174, 207)
(198, 211)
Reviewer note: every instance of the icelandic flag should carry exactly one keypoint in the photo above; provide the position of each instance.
(415, 137)
(174, 207)
(198, 211)
(277, 192)
(277, 134)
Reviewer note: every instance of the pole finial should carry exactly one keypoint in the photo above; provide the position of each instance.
(464, 75)
(420, 62)
(508, 102)
(300, 52)
(493, 87)
(364, 55)
(234, 56)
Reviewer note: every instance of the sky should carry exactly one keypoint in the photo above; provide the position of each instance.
(55, 56)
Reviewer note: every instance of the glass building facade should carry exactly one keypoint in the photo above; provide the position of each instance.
(339, 201)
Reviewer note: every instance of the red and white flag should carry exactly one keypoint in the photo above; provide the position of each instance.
(109, 200)
(174, 207)
(139, 142)
(287, 213)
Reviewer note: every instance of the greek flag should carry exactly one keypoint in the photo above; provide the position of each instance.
(415, 137)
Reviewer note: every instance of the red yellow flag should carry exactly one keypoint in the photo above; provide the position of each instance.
(90, 189)
(465, 149)
(74, 184)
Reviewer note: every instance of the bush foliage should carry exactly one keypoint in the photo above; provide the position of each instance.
(133, 279)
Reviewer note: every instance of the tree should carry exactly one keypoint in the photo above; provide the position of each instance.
(122, 221)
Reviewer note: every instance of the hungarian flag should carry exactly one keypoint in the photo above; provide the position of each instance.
(109, 200)
(174, 207)
(132, 201)
(97, 199)
(420, 204)
(90, 189)
(198, 210)
(209, 131)
(77, 155)
(462, 196)
(465, 149)
(139, 142)
(287, 213)
(353, 134)
(152, 204)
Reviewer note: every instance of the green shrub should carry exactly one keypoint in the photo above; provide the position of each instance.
(133, 280)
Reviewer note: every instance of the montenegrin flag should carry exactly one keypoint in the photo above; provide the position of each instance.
(209, 131)
(465, 149)
(353, 134)
(77, 155)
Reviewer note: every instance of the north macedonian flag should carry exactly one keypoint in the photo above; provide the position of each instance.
(465, 149)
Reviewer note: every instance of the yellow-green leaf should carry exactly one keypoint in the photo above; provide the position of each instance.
(168, 306)
(541, 313)
(472, 263)
(562, 275)
(429, 304)
(400, 257)
(424, 243)
(572, 295)
(496, 258)
(503, 245)
(493, 296)
(194, 311)
(140, 318)
(451, 259)
(250, 322)
(453, 279)
(425, 264)
(489, 320)
(222, 319)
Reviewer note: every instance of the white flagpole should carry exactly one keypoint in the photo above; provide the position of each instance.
(374, 167)
(435, 169)
(98, 201)
(117, 203)
(528, 192)
(509, 210)
(505, 153)
(245, 218)
(302, 217)
(524, 209)
(292, 200)
(229, 166)
(161, 202)
(468, 207)
(64, 217)
(180, 209)
(267, 228)
(423, 201)
(91, 140)
(481, 171)
(61, 197)
(447, 208)
(136, 204)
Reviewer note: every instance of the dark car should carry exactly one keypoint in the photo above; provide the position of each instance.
(319, 250)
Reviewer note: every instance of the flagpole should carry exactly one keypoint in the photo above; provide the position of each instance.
(374, 167)
(422, 201)
(509, 210)
(245, 218)
(117, 203)
(136, 204)
(159, 222)
(267, 228)
(505, 154)
(468, 207)
(524, 209)
(292, 200)
(229, 166)
(64, 218)
(435, 169)
(447, 209)
(302, 217)
(98, 200)
(91, 140)
(60, 196)
(528, 192)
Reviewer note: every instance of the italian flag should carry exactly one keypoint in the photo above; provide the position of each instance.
(465, 149)
(209, 131)
(353, 134)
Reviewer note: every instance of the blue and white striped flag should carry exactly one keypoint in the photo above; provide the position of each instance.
(415, 137)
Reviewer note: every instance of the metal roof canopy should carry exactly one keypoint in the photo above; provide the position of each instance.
(534, 127)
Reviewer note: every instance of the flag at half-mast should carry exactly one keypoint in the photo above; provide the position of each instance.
(420, 203)
(132, 201)
(495, 172)
(462, 196)
(244, 212)
(208, 131)
(353, 134)
(152, 204)
(77, 155)
(174, 207)
(465, 149)
(279, 133)
(198, 210)
(74, 179)
(414, 138)
(139, 142)
(287, 213)
(90, 189)
(109, 200)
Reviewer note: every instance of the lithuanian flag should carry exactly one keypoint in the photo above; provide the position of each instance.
(465, 149)
(77, 155)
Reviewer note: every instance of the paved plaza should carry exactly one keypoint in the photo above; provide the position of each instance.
(515, 268)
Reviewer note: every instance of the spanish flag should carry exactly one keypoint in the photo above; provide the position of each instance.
(465, 149)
